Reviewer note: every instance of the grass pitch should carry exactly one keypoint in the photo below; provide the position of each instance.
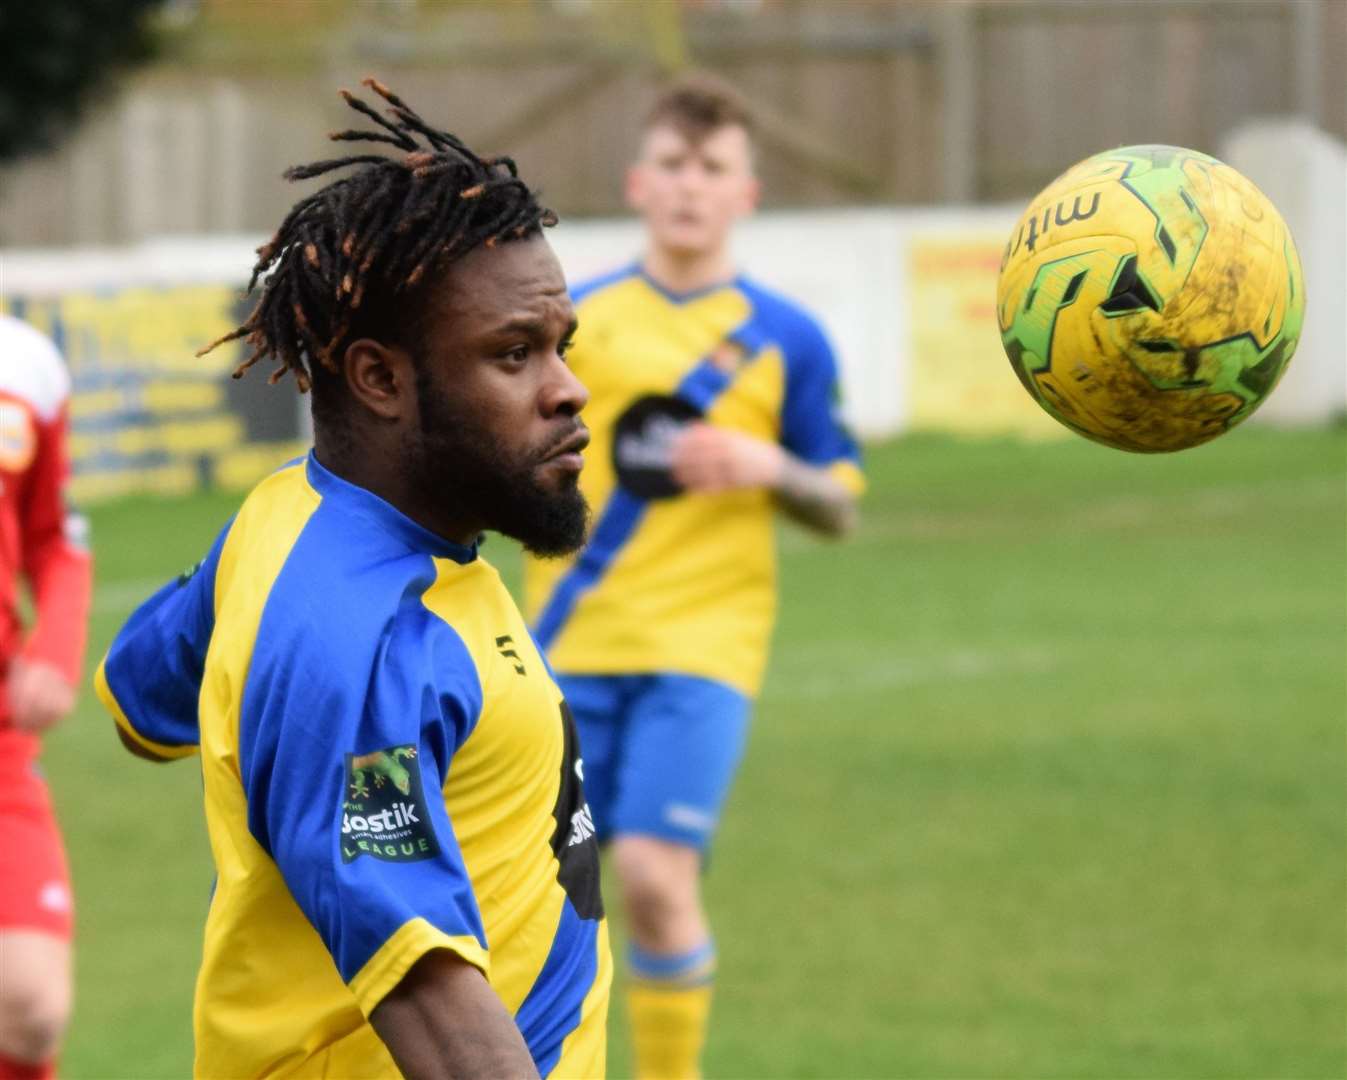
(1049, 779)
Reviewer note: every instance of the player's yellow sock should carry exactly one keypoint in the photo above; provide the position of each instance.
(669, 1003)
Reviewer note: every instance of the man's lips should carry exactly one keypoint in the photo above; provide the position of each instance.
(569, 452)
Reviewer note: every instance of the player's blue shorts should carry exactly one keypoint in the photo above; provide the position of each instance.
(660, 751)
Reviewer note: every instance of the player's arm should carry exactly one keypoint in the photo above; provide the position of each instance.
(713, 459)
(44, 676)
(814, 468)
(139, 749)
(817, 497)
(443, 1020)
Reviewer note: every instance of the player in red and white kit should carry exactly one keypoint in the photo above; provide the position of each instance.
(39, 672)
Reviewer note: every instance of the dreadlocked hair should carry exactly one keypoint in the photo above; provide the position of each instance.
(372, 236)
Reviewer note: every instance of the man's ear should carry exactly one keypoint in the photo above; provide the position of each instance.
(633, 187)
(380, 378)
(752, 195)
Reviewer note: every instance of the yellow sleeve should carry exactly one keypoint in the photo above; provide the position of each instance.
(411, 941)
(849, 475)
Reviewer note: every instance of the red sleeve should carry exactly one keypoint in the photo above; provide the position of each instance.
(55, 559)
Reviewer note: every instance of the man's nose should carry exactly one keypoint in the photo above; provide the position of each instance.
(564, 394)
(690, 176)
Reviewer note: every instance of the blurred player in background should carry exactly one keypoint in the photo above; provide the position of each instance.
(39, 672)
(407, 873)
(713, 402)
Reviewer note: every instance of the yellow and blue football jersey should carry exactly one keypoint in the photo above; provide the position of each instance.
(389, 768)
(678, 581)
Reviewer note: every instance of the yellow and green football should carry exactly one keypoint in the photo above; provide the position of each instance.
(1150, 298)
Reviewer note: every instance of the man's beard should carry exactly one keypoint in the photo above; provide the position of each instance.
(451, 458)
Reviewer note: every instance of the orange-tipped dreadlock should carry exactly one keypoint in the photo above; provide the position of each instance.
(379, 229)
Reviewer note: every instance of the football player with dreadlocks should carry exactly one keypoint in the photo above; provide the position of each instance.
(407, 870)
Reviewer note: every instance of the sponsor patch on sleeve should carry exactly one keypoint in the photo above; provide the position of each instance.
(384, 809)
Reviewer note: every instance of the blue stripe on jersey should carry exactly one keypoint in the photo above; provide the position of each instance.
(174, 627)
(348, 603)
(707, 381)
(551, 1011)
(703, 385)
(615, 527)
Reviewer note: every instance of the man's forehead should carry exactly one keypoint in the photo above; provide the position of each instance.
(668, 137)
(518, 275)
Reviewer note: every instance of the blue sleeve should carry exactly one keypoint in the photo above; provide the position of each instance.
(811, 424)
(151, 677)
(345, 740)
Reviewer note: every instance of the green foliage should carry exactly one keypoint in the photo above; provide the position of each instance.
(1048, 780)
(54, 54)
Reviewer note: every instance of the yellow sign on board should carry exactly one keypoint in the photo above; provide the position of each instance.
(961, 379)
(147, 414)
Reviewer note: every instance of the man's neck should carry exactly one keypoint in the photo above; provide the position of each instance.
(392, 486)
(685, 273)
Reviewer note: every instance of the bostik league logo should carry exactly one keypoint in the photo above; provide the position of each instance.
(384, 809)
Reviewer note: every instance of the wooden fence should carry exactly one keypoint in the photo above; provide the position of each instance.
(861, 102)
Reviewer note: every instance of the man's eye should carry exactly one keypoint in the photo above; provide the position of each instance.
(564, 348)
(518, 355)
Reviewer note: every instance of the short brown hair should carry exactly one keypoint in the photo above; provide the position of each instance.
(697, 104)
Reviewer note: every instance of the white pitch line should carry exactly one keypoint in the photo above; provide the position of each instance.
(797, 680)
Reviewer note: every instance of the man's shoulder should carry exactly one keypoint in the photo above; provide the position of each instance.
(272, 517)
(366, 610)
(475, 604)
(785, 321)
(783, 312)
(31, 368)
(316, 570)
